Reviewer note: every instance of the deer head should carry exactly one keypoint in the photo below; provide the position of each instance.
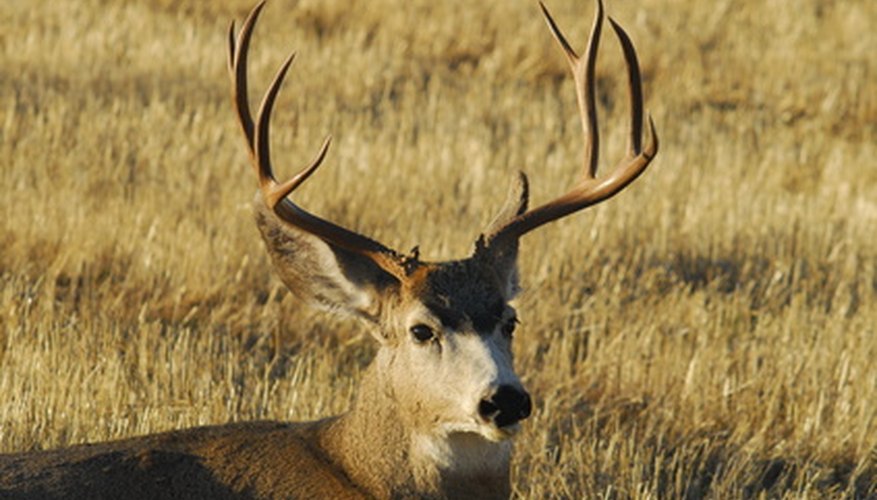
(445, 328)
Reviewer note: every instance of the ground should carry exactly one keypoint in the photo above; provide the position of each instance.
(710, 332)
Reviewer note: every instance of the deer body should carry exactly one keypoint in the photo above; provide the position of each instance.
(436, 408)
(249, 460)
(329, 458)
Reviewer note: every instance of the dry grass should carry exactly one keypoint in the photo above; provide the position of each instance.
(710, 332)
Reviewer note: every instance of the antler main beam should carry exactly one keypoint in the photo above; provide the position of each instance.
(589, 189)
(276, 194)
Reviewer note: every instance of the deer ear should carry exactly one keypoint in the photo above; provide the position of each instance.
(322, 274)
(502, 256)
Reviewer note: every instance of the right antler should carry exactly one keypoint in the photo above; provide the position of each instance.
(590, 190)
(276, 194)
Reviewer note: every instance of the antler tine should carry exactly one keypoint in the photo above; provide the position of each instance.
(589, 189)
(583, 75)
(237, 60)
(272, 191)
(231, 50)
(638, 158)
(275, 194)
(635, 90)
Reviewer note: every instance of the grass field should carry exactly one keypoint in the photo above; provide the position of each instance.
(709, 333)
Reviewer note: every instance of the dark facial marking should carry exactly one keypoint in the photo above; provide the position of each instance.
(449, 317)
(463, 291)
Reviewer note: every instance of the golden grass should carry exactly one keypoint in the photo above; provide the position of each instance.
(710, 332)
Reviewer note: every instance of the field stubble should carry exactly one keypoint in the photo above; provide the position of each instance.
(710, 332)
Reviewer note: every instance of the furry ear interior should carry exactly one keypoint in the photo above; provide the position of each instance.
(515, 204)
(503, 256)
(324, 275)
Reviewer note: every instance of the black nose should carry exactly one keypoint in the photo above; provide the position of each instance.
(505, 406)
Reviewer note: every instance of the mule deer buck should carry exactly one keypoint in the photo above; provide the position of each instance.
(437, 406)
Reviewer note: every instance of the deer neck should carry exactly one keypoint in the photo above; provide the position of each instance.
(385, 450)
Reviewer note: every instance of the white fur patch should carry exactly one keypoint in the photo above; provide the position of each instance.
(461, 453)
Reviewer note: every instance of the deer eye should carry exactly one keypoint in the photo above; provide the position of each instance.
(508, 328)
(422, 333)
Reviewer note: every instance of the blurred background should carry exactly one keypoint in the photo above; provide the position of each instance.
(710, 332)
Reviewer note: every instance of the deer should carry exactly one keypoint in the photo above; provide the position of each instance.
(438, 406)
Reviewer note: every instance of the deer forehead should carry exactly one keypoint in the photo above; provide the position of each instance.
(458, 294)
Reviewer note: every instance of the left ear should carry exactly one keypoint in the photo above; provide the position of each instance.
(502, 256)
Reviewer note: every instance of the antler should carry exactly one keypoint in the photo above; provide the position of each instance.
(589, 189)
(276, 194)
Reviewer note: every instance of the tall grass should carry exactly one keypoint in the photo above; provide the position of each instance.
(709, 332)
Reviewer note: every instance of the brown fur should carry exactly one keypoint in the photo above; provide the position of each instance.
(435, 409)
(330, 458)
(235, 461)
(363, 453)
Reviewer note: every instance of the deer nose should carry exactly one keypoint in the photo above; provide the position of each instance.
(505, 406)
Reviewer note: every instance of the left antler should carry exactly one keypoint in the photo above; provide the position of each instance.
(274, 193)
(590, 189)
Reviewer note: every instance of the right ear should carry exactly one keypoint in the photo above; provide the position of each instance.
(502, 256)
(324, 263)
(324, 275)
